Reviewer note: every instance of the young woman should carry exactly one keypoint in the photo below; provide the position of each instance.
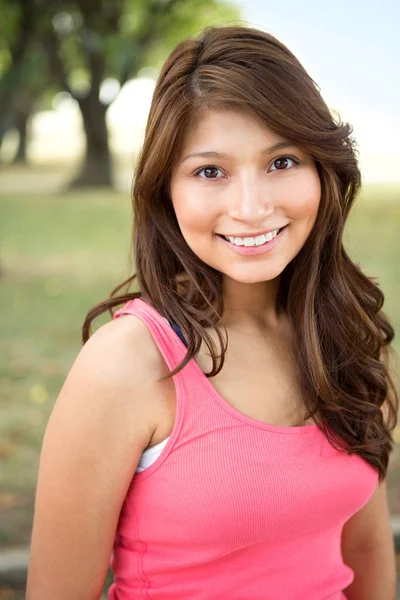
(227, 435)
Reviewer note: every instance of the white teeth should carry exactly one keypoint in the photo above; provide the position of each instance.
(260, 239)
(251, 241)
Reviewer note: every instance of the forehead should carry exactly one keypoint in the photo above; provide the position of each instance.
(229, 134)
(217, 126)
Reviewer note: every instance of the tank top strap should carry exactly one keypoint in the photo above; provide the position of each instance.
(168, 338)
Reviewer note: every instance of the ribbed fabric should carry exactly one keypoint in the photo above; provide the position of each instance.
(234, 508)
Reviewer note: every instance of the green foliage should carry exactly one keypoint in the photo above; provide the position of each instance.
(23, 63)
(74, 45)
(139, 34)
(9, 22)
(5, 57)
(116, 39)
(186, 20)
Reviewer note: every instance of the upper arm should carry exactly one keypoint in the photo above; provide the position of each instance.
(369, 527)
(100, 424)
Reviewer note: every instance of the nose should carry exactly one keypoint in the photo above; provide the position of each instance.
(250, 202)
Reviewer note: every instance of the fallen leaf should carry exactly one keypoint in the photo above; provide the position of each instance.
(7, 449)
(9, 500)
(6, 593)
(38, 394)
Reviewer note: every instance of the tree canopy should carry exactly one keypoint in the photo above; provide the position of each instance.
(74, 45)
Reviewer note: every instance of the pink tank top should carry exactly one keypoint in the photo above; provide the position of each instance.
(234, 508)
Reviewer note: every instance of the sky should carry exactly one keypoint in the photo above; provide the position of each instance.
(352, 51)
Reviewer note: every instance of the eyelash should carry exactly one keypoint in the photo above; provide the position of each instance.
(198, 171)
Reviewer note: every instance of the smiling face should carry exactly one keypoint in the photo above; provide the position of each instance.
(247, 182)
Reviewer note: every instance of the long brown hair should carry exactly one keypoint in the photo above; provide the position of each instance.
(342, 336)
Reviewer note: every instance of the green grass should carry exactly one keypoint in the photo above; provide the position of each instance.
(372, 239)
(59, 256)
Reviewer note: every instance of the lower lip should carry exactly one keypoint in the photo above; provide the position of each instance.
(253, 250)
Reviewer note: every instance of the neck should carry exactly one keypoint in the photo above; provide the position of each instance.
(250, 304)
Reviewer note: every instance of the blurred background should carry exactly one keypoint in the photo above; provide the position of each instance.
(76, 79)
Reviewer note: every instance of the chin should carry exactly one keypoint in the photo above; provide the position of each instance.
(252, 275)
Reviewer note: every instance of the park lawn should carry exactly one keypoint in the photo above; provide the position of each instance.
(62, 254)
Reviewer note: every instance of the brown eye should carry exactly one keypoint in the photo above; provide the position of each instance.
(210, 172)
(281, 163)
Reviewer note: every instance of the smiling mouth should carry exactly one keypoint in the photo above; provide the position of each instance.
(252, 241)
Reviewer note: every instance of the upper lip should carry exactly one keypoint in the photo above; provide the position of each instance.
(249, 234)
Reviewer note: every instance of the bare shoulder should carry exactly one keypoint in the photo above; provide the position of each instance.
(117, 372)
(128, 343)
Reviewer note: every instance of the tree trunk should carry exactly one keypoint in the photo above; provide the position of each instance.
(2, 134)
(96, 169)
(21, 124)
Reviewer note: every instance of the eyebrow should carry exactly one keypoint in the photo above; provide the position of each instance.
(212, 154)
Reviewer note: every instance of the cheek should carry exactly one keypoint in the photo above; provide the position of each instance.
(192, 210)
(305, 203)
